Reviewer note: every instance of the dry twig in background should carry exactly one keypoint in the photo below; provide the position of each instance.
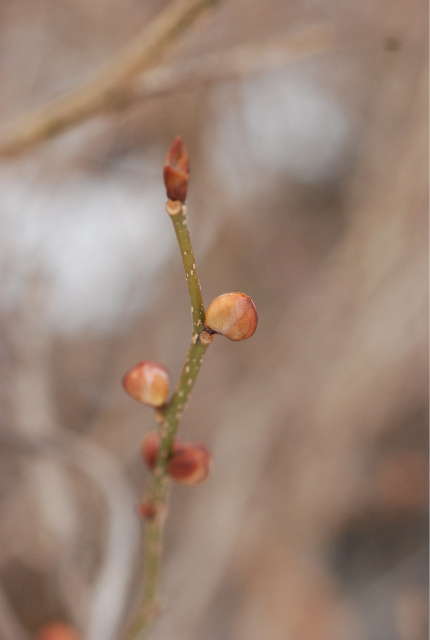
(110, 89)
(109, 592)
(242, 61)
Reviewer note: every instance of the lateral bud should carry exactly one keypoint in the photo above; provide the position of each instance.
(147, 382)
(147, 510)
(149, 448)
(188, 463)
(233, 315)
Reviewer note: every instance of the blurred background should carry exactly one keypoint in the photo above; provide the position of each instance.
(309, 192)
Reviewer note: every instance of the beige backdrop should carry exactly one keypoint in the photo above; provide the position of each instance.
(309, 192)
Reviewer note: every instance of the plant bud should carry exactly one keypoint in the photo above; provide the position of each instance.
(150, 446)
(176, 171)
(233, 315)
(190, 464)
(147, 382)
(147, 510)
(58, 631)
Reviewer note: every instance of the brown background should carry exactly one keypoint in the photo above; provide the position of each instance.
(309, 192)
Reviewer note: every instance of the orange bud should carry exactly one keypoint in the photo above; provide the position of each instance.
(147, 382)
(190, 465)
(176, 171)
(233, 315)
(58, 631)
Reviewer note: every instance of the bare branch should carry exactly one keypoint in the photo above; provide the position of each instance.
(107, 91)
(242, 61)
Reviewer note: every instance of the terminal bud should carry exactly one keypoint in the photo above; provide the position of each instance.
(233, 315)
(147, 382)
(176, 171)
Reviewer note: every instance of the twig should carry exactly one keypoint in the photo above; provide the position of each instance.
(239, 62)
(169, 417)
(110, 89)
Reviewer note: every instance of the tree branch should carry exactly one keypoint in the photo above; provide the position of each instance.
(110, 89)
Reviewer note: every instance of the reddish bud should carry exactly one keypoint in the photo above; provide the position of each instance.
(190, 465)
(233, 315)
(147, 382)
(176, 171)
(58, 631)
(147, 510)
(149, 448)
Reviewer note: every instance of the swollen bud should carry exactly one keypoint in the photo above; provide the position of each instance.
(190, 465)
(58, 631)
(147, 382)
(233, 315)
(176, 171)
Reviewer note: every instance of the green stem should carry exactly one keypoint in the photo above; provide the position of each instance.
(169, 416)
(181, 229)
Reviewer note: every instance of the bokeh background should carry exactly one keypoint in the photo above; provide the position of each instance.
(309, 192)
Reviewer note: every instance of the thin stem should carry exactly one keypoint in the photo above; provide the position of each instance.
(197, 308)
(169, 417)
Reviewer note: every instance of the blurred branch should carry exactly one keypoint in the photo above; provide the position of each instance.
(111, 589)
(240, 62)
(10, 626)
(110, 89)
